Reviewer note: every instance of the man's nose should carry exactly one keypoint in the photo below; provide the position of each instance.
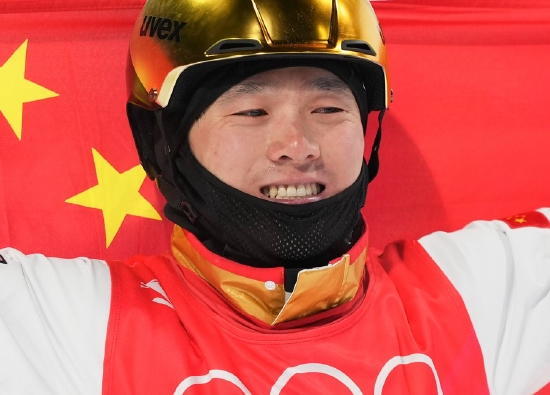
(293, 142)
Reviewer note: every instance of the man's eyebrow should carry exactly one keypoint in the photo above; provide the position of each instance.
(245, 88)
(327, 83)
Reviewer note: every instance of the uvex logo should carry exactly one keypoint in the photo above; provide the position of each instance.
(164, 28)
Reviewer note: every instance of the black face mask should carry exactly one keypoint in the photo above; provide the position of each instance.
(263, 233)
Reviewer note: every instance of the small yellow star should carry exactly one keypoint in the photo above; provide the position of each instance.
(15, 90)
(117, 195)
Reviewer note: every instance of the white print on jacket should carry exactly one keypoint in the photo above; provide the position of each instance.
(283, 380)
(155, 286)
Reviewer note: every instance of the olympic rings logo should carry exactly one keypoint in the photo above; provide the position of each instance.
(283, 380)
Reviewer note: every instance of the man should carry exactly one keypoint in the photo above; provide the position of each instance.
(253, 128)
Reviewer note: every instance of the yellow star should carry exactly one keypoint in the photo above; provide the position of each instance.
(520, 220)
(15, 90)
(117, 195)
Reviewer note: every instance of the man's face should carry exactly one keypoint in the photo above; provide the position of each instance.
(291, 135)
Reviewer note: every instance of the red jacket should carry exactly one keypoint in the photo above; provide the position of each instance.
(460, 313)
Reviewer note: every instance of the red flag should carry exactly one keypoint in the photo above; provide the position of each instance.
(467, 135)
(465, 139)
(533, 218)
(70, 177)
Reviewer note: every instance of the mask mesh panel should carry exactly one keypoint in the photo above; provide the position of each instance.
(272, 233)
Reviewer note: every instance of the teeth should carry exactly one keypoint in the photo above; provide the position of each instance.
(291, 191)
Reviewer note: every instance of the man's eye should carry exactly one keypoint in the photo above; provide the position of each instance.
(252, 113)
(327, 110)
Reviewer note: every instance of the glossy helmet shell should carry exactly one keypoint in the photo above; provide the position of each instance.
(173, 39)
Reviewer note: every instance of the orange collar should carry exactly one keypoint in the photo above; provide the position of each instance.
(260, 292)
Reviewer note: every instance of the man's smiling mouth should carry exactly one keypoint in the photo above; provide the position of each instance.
(292, 191)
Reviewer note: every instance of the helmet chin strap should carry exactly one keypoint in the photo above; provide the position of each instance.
(374, 162)
(175, 197)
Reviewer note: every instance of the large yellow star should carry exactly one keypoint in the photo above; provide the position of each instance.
(15, 90)
(117, 195)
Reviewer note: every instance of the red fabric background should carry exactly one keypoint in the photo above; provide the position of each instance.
(468, 134)
(466, 138)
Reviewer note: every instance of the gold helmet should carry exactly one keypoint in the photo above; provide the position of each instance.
(172, 36)
(174, 42)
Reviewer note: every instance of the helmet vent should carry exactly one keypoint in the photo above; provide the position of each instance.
(234, 45)
(358, 46)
